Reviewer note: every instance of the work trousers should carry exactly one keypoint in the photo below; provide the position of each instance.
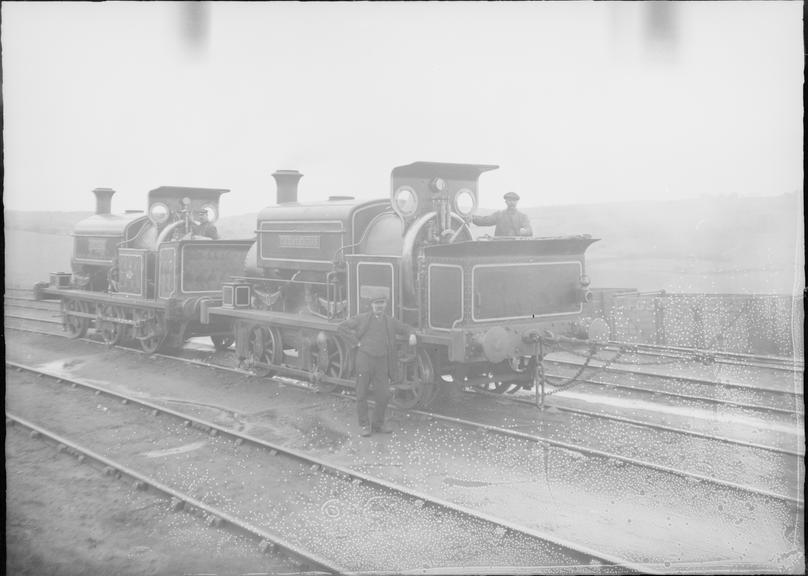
(372, 370)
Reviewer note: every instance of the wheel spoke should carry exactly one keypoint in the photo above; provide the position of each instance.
(337, 363)
(152, 332)
(111, 331)
(75, 326)
(263, 346)
(418, 386)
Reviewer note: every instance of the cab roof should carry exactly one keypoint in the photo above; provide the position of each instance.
(444, 169)
(192, 192)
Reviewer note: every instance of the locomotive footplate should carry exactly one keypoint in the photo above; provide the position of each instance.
(107, 298)
(209, 310)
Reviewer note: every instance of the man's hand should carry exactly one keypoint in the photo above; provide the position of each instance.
(413, 340)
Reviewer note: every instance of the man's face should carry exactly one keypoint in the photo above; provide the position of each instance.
(378, 307)
(511, 203)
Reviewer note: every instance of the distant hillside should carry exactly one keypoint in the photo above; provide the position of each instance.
(43, 222)
(62, 223)
(697, 245)
(718, 229)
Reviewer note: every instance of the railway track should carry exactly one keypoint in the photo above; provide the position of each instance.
(180, 500)
(601, 460)
(736, 395)
(787, 403)
(710, 356)
(610, 454)
(688, 387)
(778, 458)
(121, 425)
(707, 390)
(31, 304)
(527, 400)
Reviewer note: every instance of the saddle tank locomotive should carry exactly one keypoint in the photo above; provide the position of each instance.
(141, 277)
(484, 310)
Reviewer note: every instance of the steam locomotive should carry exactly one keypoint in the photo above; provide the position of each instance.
(142, 277)
(484, 309)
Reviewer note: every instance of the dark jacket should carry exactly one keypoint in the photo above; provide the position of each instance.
(357, 327)
(507, 223)
(208, 230)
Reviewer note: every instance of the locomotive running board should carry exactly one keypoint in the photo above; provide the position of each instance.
(208, 308)
(106, 297)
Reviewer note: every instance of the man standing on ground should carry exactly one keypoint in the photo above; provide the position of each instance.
(508, 222)
(375, 357)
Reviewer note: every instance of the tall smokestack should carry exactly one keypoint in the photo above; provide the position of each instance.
(103, 200)
(286, 181)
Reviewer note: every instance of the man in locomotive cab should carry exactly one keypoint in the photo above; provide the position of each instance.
(508, 222)
(375, 332)
(204, 227)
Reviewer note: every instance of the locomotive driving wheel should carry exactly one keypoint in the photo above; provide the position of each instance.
(337, 362)
(264, 348)
(111, 331)
(75, 326)
(151, 330)
(417, 386)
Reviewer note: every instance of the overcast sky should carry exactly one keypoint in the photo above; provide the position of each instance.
(577, 102)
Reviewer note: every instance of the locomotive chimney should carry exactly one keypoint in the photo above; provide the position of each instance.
(103, 200)
(286, 181)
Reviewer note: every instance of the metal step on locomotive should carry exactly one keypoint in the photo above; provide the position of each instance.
(141, 277)
(484, 310)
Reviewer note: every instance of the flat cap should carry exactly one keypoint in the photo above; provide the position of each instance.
(511, 196)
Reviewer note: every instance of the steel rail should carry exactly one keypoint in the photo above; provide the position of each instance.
(693, 379)
(640, 423)
(49, 320)
(593, 382)
(683, 396)
(611, 456)
(681, 352)
(543, 439)
(294, 383)
(30, 331)
(23, 298)
(343, 472)
(645, 424)
(31, 304)
(288, 547)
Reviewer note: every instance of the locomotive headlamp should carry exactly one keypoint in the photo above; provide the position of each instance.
(186, 201)
(465, 202)
(585, 281)
(211, 211)
(405, 201)
(438, 185)
(158, 212)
